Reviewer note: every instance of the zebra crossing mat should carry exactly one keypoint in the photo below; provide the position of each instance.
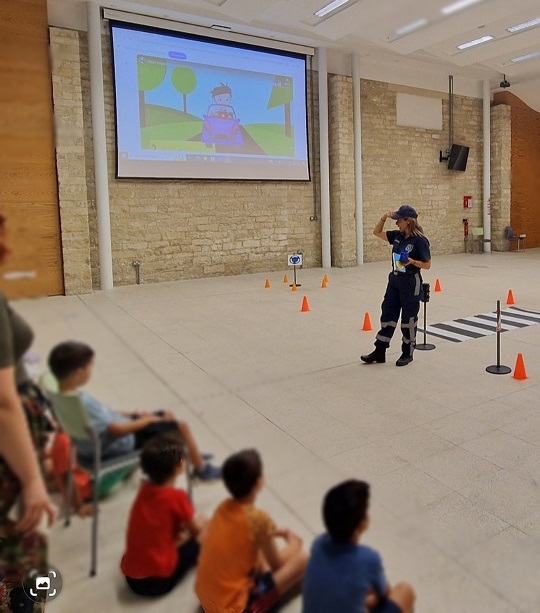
(477, 326)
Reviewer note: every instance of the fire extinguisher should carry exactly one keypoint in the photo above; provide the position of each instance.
(465, 227)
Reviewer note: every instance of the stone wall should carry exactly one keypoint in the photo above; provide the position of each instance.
(342, 182)
(184, 229)
(71, 160)
(400, 165)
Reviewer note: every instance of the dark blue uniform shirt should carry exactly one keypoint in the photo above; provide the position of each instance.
(417, 248)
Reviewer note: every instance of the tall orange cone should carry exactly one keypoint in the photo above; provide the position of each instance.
(305, 305)
(267, 284)
(285, 279)
(367, 323)
(324, 282)
(294, 288)
(437, 285)
(519, 370)
(510, 298)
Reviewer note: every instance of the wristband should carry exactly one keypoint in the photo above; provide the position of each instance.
(383, 220)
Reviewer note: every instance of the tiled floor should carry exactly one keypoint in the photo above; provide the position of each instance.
(452, 453)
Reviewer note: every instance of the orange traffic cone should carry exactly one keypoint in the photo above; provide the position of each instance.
(437, 285)
(510, 298)
(294, 288)
(285, 279)
(305, 305)
(267, 284)
(325, 277)
(519, 370)
(324, 282)
(367, 323)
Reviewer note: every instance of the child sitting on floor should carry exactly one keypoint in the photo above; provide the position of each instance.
(241, 569)
(156, 559)
(343, 575)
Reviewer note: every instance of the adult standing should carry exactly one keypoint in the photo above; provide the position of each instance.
(24, 502)
(410, 254)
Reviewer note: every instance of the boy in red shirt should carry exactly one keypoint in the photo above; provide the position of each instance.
(154, 560)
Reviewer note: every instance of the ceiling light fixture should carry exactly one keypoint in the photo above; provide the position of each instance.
(330, 7)
(411, 27)
(449, 9)
(523, 26)
(476, 41)
(527, 56)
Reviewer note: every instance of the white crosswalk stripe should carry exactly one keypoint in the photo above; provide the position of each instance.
(477, 326)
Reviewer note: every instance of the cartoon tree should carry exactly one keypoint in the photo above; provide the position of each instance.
(282, 94)
(184, 81)
(150, 74)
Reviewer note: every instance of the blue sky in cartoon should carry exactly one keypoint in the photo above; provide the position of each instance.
(250, 93)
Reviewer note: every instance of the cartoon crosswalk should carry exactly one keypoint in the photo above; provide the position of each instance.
(477, 326)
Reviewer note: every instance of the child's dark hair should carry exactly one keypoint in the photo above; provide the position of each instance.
(160, 457)
(241, 472)
(67, 357)
(344, 507)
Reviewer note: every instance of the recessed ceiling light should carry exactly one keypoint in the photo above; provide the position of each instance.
(527, 56)
(449, 9)
(330, 7)
(411, 27)
(476, 41)
(523, 26)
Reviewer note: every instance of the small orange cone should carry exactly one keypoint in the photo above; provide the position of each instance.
(367, 323)
(519, 370)
(294, 288)
(285, 279)
(324, 282)
(305, 305)
(510, 298)
(437, 285)
(325, 277)
(267, 284)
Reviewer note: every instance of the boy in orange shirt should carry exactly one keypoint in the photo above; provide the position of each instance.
(154, 561)
(241, 569)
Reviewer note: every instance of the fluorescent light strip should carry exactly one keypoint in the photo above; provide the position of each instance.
(330, 7)
(449, 9)
(524, 25)
(411, 27)
(477, 41)
(527, 56)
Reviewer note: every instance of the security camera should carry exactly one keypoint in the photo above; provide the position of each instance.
(504, 83)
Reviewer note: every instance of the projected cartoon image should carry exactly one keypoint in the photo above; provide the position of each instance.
(175, 113)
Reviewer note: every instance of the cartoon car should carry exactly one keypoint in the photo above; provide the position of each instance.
(221, 126)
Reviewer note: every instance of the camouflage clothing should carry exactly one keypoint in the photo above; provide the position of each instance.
(20, 553)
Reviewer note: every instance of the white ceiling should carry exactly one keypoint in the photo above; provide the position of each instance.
(367, 27)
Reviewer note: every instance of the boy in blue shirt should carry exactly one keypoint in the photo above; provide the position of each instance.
(72, 363)
(343, 575)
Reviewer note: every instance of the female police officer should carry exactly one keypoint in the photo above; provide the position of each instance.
(410, 253)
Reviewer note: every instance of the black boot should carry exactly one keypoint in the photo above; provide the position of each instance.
(379, 355)
(403, 360)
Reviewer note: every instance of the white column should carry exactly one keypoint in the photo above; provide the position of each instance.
(357, 126)
(100, 144)
(487, 165)
(324, 157)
